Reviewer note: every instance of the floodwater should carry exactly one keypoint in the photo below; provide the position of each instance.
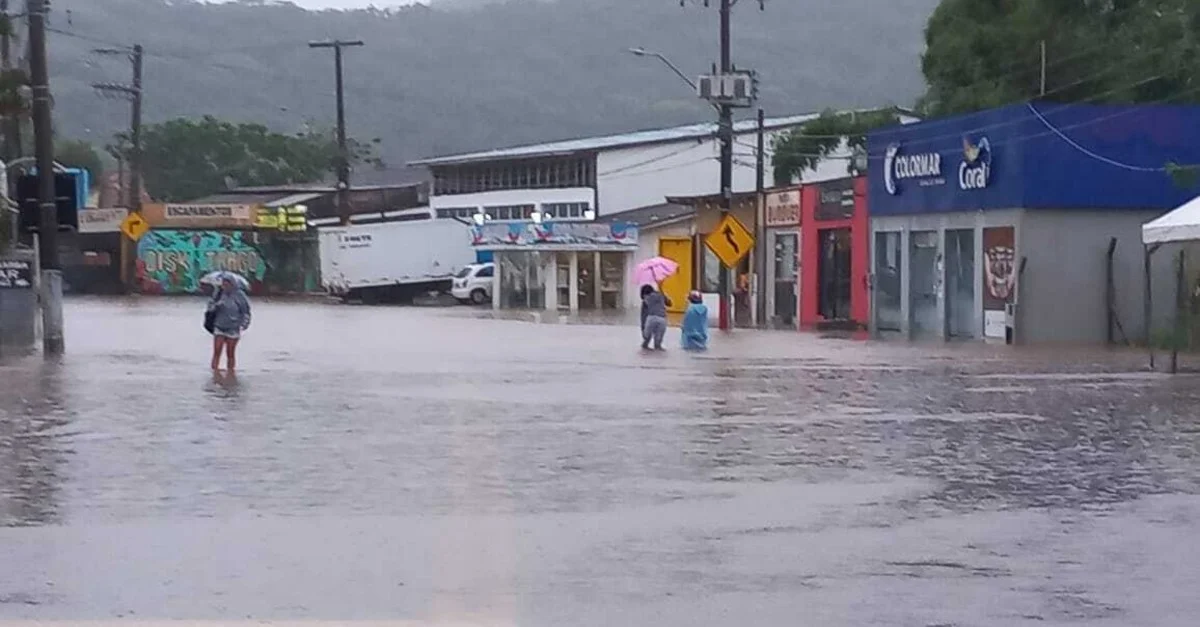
(430, 466)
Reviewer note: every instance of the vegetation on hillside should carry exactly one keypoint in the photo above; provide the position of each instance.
(185, 159)
(432, 81)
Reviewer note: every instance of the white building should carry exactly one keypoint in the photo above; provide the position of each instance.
(583, 179)
(606, 175)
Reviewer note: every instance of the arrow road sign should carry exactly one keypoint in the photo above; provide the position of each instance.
(730, 242)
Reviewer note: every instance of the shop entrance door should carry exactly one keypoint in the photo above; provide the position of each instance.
(677, 286)
(833, 271)
(786, 266)
(960, 283)
(889, 311)
(923, 283)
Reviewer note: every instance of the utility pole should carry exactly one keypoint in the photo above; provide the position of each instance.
(760, 176)
(343, 157)
(1043, 82)
(725, 137)
(43, 129)
(725, 103)
(12, 126)
(132, 93)
(135, 133)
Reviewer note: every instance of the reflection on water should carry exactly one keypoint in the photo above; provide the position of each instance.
(1078, 442)
(391, 461)
(361, 418)
(33, 430)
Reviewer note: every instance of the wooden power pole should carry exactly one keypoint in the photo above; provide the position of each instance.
(133, 93)
(43, 134)
(343, 156)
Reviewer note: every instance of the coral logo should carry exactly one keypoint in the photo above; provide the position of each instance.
(975, 171)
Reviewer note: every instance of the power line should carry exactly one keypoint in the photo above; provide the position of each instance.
(1074, 144)
(668, 168)
(652, 160)
(1086, 79)
(1006, 123)
(1085, 123)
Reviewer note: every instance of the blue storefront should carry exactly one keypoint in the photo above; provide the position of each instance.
(1023, 221)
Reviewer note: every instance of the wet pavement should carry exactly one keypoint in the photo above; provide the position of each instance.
(431, 466)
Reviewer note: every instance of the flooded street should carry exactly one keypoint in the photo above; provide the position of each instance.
(428, 465)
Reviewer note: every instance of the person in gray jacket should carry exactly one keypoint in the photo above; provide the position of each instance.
(654, 317)
(231, 316)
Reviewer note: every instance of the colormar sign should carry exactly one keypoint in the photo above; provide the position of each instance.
(199, 216)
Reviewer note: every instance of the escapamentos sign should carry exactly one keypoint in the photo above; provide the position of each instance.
(925, 168)
(226, 212)
(199, 215)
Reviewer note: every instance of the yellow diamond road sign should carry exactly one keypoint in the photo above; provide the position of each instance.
(135, 226)
(730, 241)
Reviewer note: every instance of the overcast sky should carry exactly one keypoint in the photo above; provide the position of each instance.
(347, 4)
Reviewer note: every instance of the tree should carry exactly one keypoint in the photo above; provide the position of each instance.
(184, 158)
(14, 100)
(801, 148)
(80, 154)
(986, 53)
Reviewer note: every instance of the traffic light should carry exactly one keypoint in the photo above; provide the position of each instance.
(66, 199)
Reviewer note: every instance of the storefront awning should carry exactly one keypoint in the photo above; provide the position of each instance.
(1180, 225)
(555, 236)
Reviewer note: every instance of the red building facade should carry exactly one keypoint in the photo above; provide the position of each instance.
(835, 255)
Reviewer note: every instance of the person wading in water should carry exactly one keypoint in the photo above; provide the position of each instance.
(229, 311)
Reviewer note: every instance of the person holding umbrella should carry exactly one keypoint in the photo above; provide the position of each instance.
(654, 317)
(650, 274)
(227, 315)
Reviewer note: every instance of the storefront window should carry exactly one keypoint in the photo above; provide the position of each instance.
(522, 281)
(563, 279)
(711, 276)
(612, 279)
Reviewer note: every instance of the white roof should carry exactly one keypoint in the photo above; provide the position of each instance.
(609, 142)
(294, 199)
(1180, 225)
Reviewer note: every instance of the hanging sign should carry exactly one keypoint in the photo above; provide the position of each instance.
(783, 208)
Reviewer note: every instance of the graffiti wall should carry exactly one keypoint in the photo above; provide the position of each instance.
(173, 262)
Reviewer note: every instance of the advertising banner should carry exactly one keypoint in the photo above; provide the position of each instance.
(999, 276)
(574, 234)
(835, 200)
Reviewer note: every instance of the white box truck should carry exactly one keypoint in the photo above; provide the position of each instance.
(393, 261)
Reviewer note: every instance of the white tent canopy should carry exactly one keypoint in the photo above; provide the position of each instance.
(1180, 225)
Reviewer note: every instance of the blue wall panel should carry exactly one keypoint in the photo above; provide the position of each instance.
(1050, 156)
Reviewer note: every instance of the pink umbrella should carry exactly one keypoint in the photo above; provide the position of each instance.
(654, 271)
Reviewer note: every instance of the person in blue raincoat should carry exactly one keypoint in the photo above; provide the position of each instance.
(695, 323)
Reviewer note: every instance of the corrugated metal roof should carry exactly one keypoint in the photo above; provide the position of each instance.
(608, 142)
(233, 198)
(650, 216)
(293, 199)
